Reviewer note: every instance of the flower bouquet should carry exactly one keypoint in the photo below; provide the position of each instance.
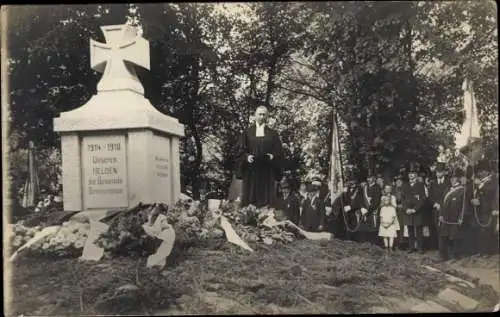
(68, 241)
(126, 236)
(21, 234)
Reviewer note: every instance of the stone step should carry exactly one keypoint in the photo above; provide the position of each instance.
(430, 307)
(456, 298)
(449, 299)
(452, 278)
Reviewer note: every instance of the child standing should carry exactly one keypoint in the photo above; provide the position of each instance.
(389, 224)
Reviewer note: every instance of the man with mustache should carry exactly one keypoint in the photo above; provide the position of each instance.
(450, 217)
(438, 189)
(484, 209)
(369, 212)
(413, 204)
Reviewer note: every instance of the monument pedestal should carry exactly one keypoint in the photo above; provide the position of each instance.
(117, 149)
(113, 159)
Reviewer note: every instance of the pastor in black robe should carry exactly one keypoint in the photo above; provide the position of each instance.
(260, 177)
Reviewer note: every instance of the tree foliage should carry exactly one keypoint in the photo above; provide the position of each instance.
(392, 71)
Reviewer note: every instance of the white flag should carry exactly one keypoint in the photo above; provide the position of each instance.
(470, 128)
(335, 161)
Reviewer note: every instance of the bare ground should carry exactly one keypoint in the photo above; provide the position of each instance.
(302, 277)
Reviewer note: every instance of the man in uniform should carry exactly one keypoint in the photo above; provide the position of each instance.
(289, 203)
(426, 211)
(380, 180)
(413, 203)
(352, 202)
(333, 213)
(438, 189)
(313, 209)
(484, 209)
(450, 217)
(369, 212)
(398, 192)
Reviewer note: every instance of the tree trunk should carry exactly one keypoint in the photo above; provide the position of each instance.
(270, 80)
(190, 108)
(197, 161)
(252, 94)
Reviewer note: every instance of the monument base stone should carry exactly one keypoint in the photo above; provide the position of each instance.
(119, 168)
(117, 149)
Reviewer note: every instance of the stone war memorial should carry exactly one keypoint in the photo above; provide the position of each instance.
(117, 149)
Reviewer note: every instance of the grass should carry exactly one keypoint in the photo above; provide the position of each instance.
(302, 277)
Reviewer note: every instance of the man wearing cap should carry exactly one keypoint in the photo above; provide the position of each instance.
(352, 201)
(334, 219)
(413, 202)
(259, 155)
(450, 215)
(302, 194)
(438, 189)
(426, 208)
(313, 209)
(380, 180)
(369, 212)
(289, 203)
(484, 209)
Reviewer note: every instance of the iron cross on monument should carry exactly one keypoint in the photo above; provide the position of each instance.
(124, 48)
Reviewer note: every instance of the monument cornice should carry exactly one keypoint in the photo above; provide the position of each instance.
(122, 110)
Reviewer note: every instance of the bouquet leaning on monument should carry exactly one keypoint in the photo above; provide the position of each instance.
(67, 241)
(126, 235)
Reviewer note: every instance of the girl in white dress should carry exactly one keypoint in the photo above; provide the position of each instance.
(389, 224)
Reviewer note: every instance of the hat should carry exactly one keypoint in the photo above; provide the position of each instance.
(440, 167)
(352, 181)
(482, 166)
(284, 184)
(398, 177)
(316, 181)
(458, 173)
(413, 168)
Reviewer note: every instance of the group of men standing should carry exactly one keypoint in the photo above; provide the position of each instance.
(459, 213)
(459, 210)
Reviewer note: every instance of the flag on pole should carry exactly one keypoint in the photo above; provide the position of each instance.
(336, 181)
(31, 187)
(467, 140)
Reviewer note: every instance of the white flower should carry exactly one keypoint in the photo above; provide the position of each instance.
(71, 238)
(79, 244)
(45, 246)
(46, 202)
(58, 238)
(66, 243)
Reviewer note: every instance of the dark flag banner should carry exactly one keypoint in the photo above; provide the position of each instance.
(31, 187)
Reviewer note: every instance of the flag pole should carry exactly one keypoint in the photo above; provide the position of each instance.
(339, 149)
(336, 151)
